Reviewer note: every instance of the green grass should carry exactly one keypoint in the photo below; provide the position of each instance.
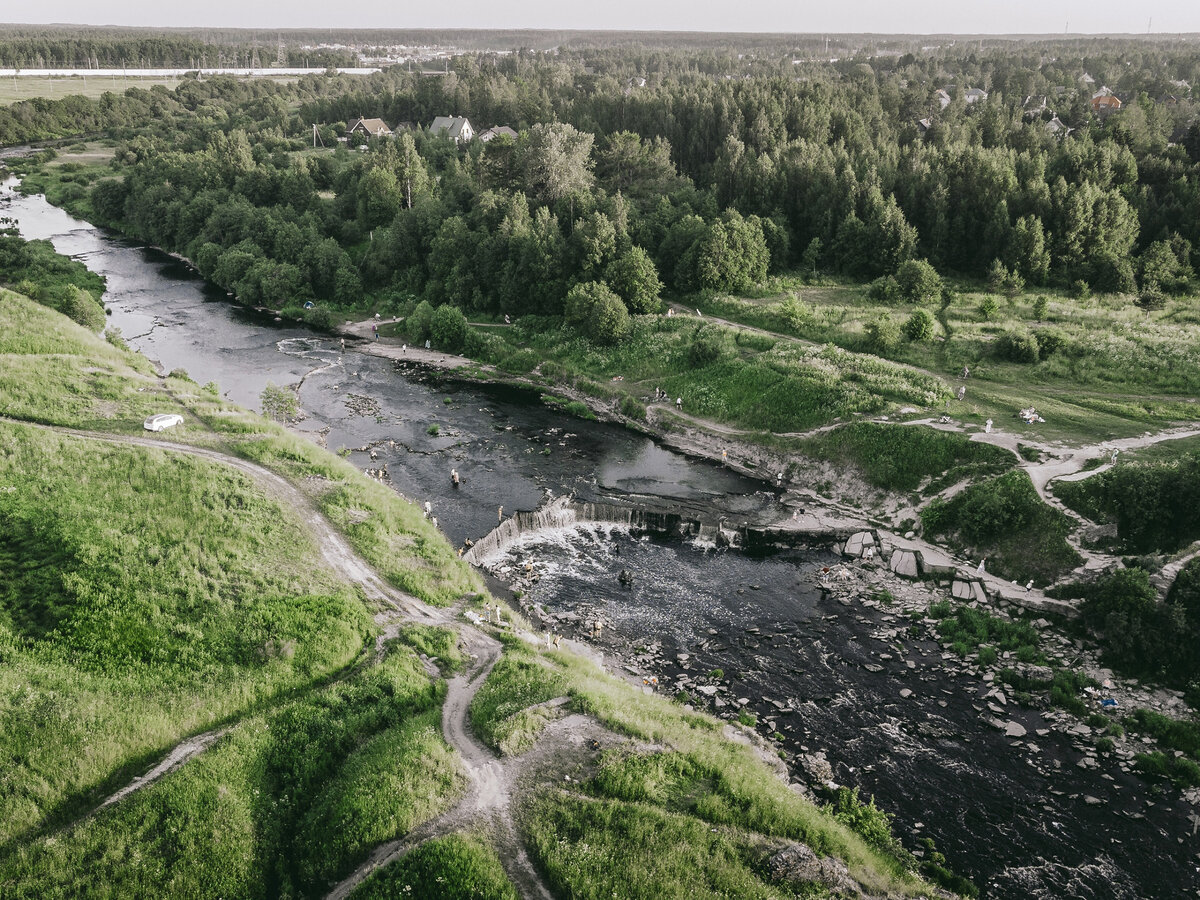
(663, 855)
(976, 628)
(500, 711)
(1004, 520)
(899, 458)
(284, 803)
(457, 867)
(439, 644)
(182, 595)
(784, 387)
(55, 87)
(386, 529)
(1119, 369)
(701, 775)
(1171, 734)
(179, 595)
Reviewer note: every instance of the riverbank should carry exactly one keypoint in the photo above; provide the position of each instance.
(800, 511)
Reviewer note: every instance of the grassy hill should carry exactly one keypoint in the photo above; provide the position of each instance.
(157, 594)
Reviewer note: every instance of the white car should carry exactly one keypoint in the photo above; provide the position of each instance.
(162, 421)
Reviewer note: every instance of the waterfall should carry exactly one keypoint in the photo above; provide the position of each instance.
(563, 512)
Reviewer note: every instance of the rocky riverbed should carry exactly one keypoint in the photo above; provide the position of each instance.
(839, 665)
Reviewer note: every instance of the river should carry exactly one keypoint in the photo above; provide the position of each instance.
(828, 674)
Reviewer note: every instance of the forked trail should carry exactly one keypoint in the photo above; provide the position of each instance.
(488, 797)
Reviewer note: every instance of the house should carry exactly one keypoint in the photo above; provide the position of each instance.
(457, 128)
(406, 125)
(942, 97)
(974, 95)
(1085, 78)
(1105, 104)
(369, 127)
(1035, 103)
(497, 131)
(923, 126)
(1057, 127)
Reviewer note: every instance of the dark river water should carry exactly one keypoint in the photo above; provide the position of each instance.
(829, 676)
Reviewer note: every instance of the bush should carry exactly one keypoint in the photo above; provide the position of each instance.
(1017, 346)
(1152, 298)
(632, 409)
(1080, 289)
(448, 328)
(989, 307)
(883, 335)
(794, 312)
(884, 290)
(1049, 342)
(279, 403)
(867, 820)
(1004, 519)
(1041, 307)
(997, 275)
(419, 322)
(918, 281)
(83, 308)
(710, 344)
(597, 312)
(920, 326)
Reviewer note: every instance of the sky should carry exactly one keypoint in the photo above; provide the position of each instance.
(806, 16)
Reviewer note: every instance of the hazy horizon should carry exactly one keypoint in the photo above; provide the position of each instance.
(1021, 17)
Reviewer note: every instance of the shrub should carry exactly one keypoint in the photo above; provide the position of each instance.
(997, 275)
(884, 290)
(433, 430)
(918, 281)
(1017, 346)
(710, 344)
(1080, 289)
(597, 312)
(1152, 298)
(632, 409)
(794, 312)
(279, 403)
(1041, 307)
(1049, 342)
(448, 327)
(989, 307)
(419, 322)
(920, 326)
(867, 820)
(883, 335)
(83, 308)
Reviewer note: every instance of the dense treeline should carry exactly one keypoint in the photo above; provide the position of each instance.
(643, 168)
(50, 47)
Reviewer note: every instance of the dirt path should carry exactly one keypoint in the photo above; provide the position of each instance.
(485, 806)
(489, 795)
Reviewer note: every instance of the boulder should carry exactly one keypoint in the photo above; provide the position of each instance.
(961, 589)
(816, 766)
(857, 544)
(1014, 729)
(799, 865)
(904, 563)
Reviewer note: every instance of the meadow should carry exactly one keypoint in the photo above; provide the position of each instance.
(1103, 367)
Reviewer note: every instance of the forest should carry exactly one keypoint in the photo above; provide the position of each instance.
(637, 171)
